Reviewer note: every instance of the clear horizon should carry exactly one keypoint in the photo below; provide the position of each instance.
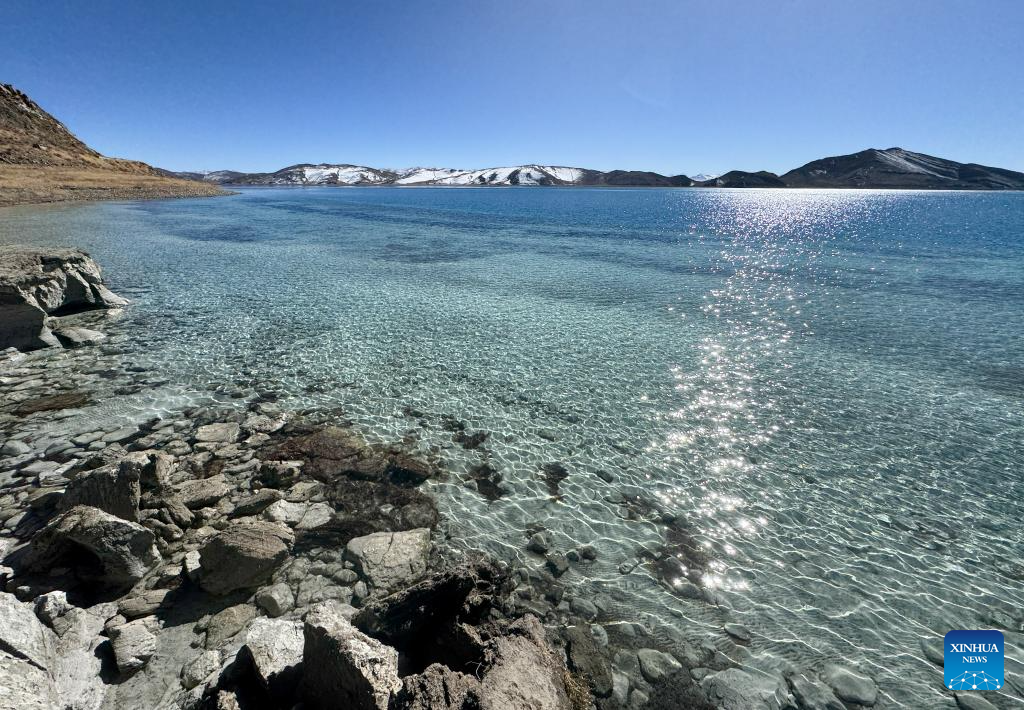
(672, 87)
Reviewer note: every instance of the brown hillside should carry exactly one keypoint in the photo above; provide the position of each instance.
(42, 161)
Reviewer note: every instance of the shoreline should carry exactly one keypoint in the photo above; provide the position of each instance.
(22, 185)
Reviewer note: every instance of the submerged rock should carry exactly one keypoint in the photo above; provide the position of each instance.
(813, 694)
(736, 689)
(849, 685)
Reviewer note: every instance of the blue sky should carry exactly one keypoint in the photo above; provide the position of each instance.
(671, 86)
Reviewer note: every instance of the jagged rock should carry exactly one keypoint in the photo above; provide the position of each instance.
(523, 673)
(735, 689)
(50, 607)
(194, 672)
(284, 511)
(243, 556)
(228, 622)
(76, 337)
(123, 550)
(192, 565)
(35, 282)
(225, 432)
(22, 634)
(25, 686)
(276, 600)
(343, 667)
(114, 489)
(390, 560)
(203, 492)
(850, 686)
(274, 648)
(134, 644)
(328, 452)
(655, 664)
(812, 695)
(438, 688)
(79, 657)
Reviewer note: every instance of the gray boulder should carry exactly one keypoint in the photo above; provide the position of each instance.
(523, 672)
(344, 667)
(243, 556)
(274, 648)
(276, 600)
(22, 634)
(134, 644)
(114, 489)
(391, 560)
(124, 550)
(76, 337)
(25, 686)
(225, 432)
(36, 282)
(202, 492)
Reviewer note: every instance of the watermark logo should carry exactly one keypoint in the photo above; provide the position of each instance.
(974, 660)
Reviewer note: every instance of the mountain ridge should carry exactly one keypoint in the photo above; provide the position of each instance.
(873, 168)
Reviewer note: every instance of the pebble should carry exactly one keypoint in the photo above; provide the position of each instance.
(538, 543)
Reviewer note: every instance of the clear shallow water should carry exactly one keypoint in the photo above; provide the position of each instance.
(828, 386)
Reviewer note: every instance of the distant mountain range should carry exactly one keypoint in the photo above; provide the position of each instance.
(872, 168)
(42, 161)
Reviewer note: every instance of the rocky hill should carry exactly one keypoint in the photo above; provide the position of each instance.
(899, 168)
(739, 178)
(42, 161)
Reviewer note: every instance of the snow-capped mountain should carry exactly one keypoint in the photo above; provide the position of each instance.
(890, 168)
(321, 174)
(516, 175)
(346, 174)
(701, 177)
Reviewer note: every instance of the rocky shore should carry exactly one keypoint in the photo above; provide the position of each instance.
(249, 556)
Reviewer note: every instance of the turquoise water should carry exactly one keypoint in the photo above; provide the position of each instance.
(827, 386)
